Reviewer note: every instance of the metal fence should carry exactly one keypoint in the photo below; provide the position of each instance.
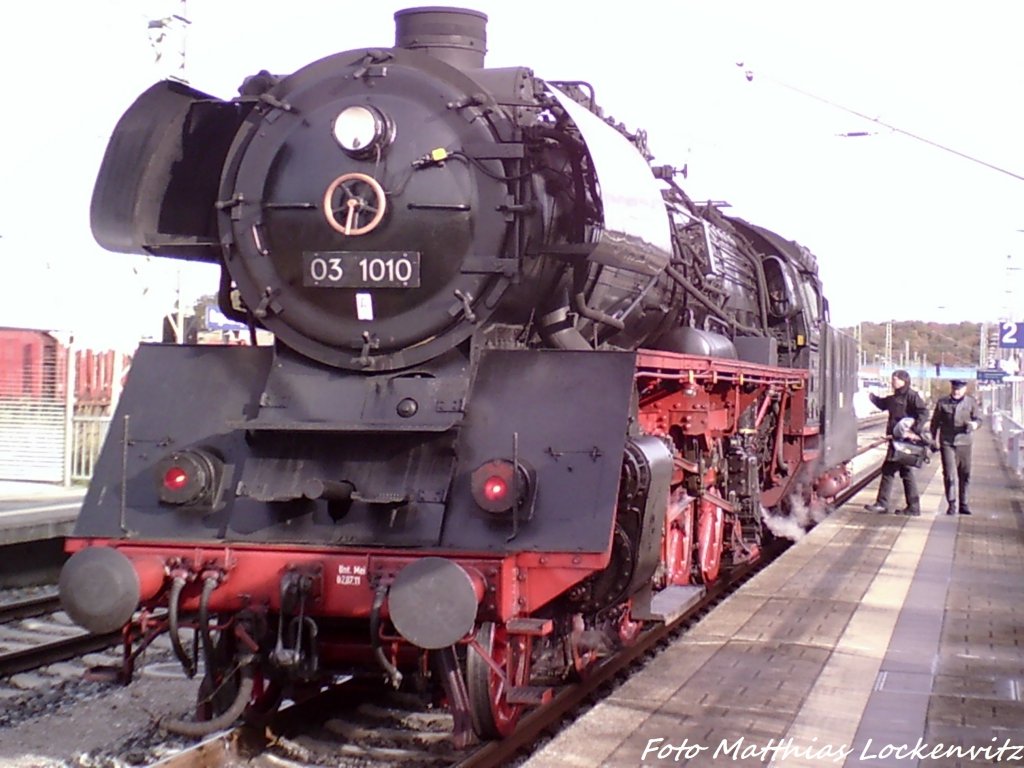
(55, 405)
(32, 440)
(1005, 405)
(1006, 398)
(33, 407)
(87, 435)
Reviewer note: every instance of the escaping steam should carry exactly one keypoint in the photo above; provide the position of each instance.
(801, 517)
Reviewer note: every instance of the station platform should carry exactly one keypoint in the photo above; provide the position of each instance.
(37, 511)
(34, 519)
(877, 640)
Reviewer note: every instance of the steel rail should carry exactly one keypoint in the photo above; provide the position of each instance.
(26, 659)
(29, 608)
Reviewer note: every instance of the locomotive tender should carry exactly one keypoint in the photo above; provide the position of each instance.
(525, 395)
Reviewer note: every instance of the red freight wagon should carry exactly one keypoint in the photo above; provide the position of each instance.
(32, 365)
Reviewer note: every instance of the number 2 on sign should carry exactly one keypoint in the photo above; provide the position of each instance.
(1009, 335)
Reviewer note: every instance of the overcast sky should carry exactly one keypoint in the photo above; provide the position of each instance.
(902, 229)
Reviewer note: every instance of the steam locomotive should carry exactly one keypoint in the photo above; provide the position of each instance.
(525, 395)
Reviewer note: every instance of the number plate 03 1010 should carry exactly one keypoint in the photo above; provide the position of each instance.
(361, 269)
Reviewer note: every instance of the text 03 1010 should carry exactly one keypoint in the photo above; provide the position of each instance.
(361, 269)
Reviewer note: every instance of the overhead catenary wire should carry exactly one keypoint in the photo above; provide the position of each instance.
(749, 74)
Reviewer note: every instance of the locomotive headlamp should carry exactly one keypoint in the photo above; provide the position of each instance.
(175, 478)
(495, 488)
(187, 477)
(362, 130)
(499, 485)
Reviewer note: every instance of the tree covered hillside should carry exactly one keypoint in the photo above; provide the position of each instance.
(954, 344)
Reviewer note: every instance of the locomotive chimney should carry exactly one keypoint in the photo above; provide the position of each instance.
(456, 36)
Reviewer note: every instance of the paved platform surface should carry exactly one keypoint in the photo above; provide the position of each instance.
(37, 511)
(878, 640)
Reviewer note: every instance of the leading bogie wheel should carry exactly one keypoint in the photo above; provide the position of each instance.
(493, 716)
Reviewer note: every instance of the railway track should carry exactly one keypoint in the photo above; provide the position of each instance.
(34, 633)
(29, 607)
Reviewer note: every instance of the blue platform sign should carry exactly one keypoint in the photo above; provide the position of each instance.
(991, 374)
(1011, 335)
(217, 321)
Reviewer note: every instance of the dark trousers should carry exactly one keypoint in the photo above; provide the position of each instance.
(889, 470)
(956, 474)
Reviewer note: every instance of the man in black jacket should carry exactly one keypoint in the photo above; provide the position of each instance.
(903, 402)
(954, 421)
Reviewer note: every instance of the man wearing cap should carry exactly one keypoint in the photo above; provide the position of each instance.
(902, 403)
(954, 421)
